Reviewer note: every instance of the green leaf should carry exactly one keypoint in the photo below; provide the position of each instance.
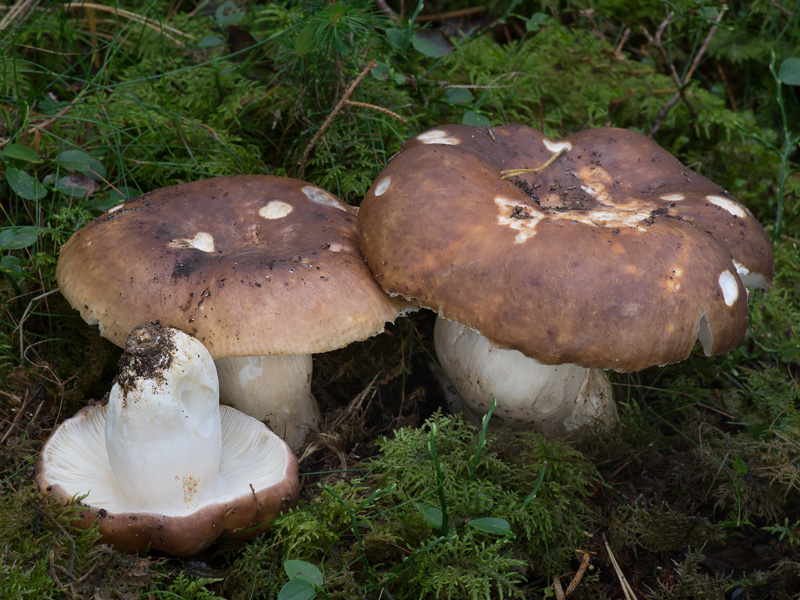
(789, 71)
(536, 22)
(297, 589)
(20, 152)
(397, 39)
(490, 525)
(24, 185)
(300, 569)
(304, 42)
(76, 186)
(83, 162)
(432, 515)
(229, 14)
(210, 41)
(739, 466)
(458, 96)
(15, 238)
(11, 264)
(380, 71)
(473, 118)
(431, 43)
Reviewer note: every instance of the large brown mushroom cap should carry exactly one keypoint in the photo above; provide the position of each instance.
(249, 265)
(614, 256)
(259, 476)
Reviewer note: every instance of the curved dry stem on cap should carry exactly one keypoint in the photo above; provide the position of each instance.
(556, 400)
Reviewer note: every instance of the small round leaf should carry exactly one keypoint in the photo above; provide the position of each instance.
(300, 569)
(297, 589)
(24, 185)
(490, 525)
(20, 152)
(789, 71)
(15, 238)
(83, 162)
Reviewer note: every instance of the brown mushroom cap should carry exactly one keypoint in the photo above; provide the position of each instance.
(249, 265)
(614, 256)
(259, 476)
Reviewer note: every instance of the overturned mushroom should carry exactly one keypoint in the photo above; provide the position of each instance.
(263, 270)
(163, 466)
(600, 250)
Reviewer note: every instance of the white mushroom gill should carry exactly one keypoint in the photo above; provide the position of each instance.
(163, 427)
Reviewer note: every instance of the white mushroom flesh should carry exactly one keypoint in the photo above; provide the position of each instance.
(273, 389)
(554, 400)
(163, 429)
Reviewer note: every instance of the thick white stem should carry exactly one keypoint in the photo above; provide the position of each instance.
(554, 400)
(273, 389)
(163, 426)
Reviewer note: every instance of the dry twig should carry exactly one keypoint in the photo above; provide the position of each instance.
(321, 131)
(681, 83)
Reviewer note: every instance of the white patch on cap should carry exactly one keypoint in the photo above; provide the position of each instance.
(202, 241)
(115, 208)
(556, 146)
(729, 284)
(320, 196)
(524, 222)
(336, 247)
(382, 186)
(524, 218)
(275, 209)
(673, 197)
(437, 136)
(732, 207)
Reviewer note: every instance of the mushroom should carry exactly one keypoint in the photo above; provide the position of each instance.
(599, 250)
(263, 270)
(163, 465)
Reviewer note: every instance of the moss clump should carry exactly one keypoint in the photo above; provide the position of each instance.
(378, 529)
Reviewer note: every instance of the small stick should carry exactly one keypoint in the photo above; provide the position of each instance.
(579, 575)
(378, 108)
(348, 92)
(626, 587)
(550, 161)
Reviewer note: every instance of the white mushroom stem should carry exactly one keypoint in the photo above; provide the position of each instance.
(273, 389)
(553, 400)
(163, 429)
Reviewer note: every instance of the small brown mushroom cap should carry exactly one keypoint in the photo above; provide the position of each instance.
(249, 265)
(614, 256)
(86, 469)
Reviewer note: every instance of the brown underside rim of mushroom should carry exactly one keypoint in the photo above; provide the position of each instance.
(163, 466)
(242, 516)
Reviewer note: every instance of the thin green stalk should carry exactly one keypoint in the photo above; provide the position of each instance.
(440, 479)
